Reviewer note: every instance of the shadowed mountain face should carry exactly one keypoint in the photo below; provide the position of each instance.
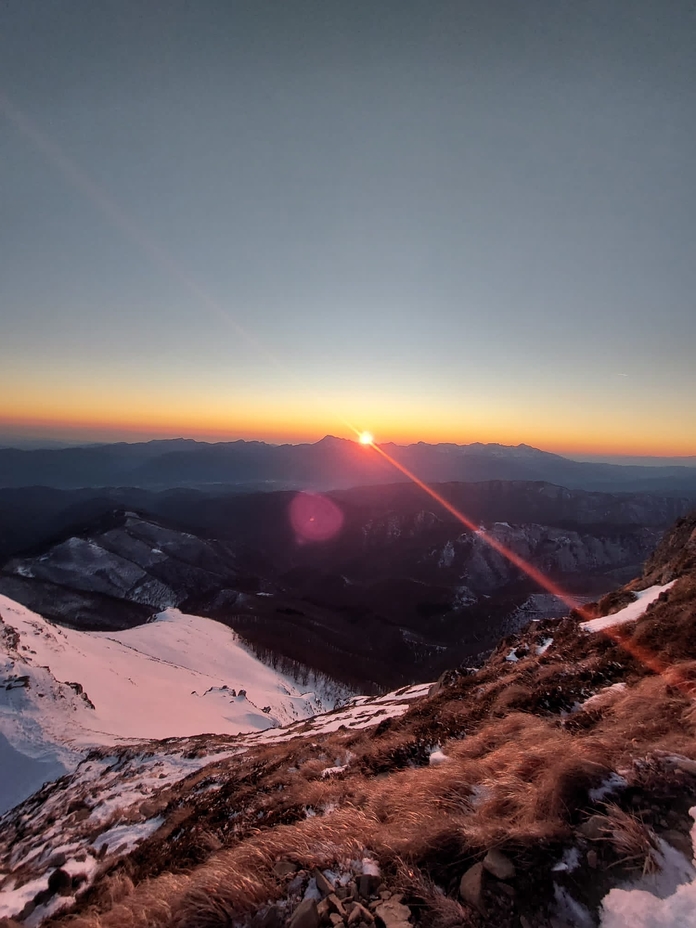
(328, 464)
(372, 585)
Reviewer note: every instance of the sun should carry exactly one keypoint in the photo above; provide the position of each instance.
(366, 438)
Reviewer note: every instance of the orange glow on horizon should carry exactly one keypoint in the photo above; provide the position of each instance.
(100, 405)
(278, 426)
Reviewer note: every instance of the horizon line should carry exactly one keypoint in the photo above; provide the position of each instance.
(33, 442)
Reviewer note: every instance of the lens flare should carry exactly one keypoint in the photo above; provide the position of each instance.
(315, 517)
(618, 635)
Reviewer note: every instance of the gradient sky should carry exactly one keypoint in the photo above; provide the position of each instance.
(452, 221)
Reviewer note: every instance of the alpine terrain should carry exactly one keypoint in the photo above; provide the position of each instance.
(553, 785)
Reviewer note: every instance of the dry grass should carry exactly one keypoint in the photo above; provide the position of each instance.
(113, 889)
(523, 769)
(442, 911)
(653, 715)
(667, 628)
(631, 840)
(520, 780)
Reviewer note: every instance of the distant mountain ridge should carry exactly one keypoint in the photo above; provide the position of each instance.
(331, 463)
(397, 593)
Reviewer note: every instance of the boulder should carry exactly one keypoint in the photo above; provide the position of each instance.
(60, 882)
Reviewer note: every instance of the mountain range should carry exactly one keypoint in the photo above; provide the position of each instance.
(395, 592)
(327, 464)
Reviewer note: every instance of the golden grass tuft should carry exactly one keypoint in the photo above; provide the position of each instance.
(631, 840)
(113, 888)
(443, 911)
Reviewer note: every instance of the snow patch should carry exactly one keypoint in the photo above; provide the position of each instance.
(663, 900)
(569, 862)
(629, 613)
(612, 783)
(603, 697)
(121, 839)
(138, 684)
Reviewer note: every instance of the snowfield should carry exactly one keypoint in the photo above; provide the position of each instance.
(63, 691)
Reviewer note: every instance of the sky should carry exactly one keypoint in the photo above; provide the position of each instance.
(439, 221)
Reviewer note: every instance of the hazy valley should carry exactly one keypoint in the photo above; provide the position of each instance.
(392, 589)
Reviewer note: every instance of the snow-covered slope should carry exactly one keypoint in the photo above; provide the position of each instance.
(63, 691)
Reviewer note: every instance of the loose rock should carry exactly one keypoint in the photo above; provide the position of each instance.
(360, 913)
(471, 887)
(594, 829)
(371, 878)
(284, 868)
(323, 885)
(271, 918)
(336, 904)
(56, 860)
(305, 915)
(498, 865)
(394, 914)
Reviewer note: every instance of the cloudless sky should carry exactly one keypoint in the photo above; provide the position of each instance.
(452, 221)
